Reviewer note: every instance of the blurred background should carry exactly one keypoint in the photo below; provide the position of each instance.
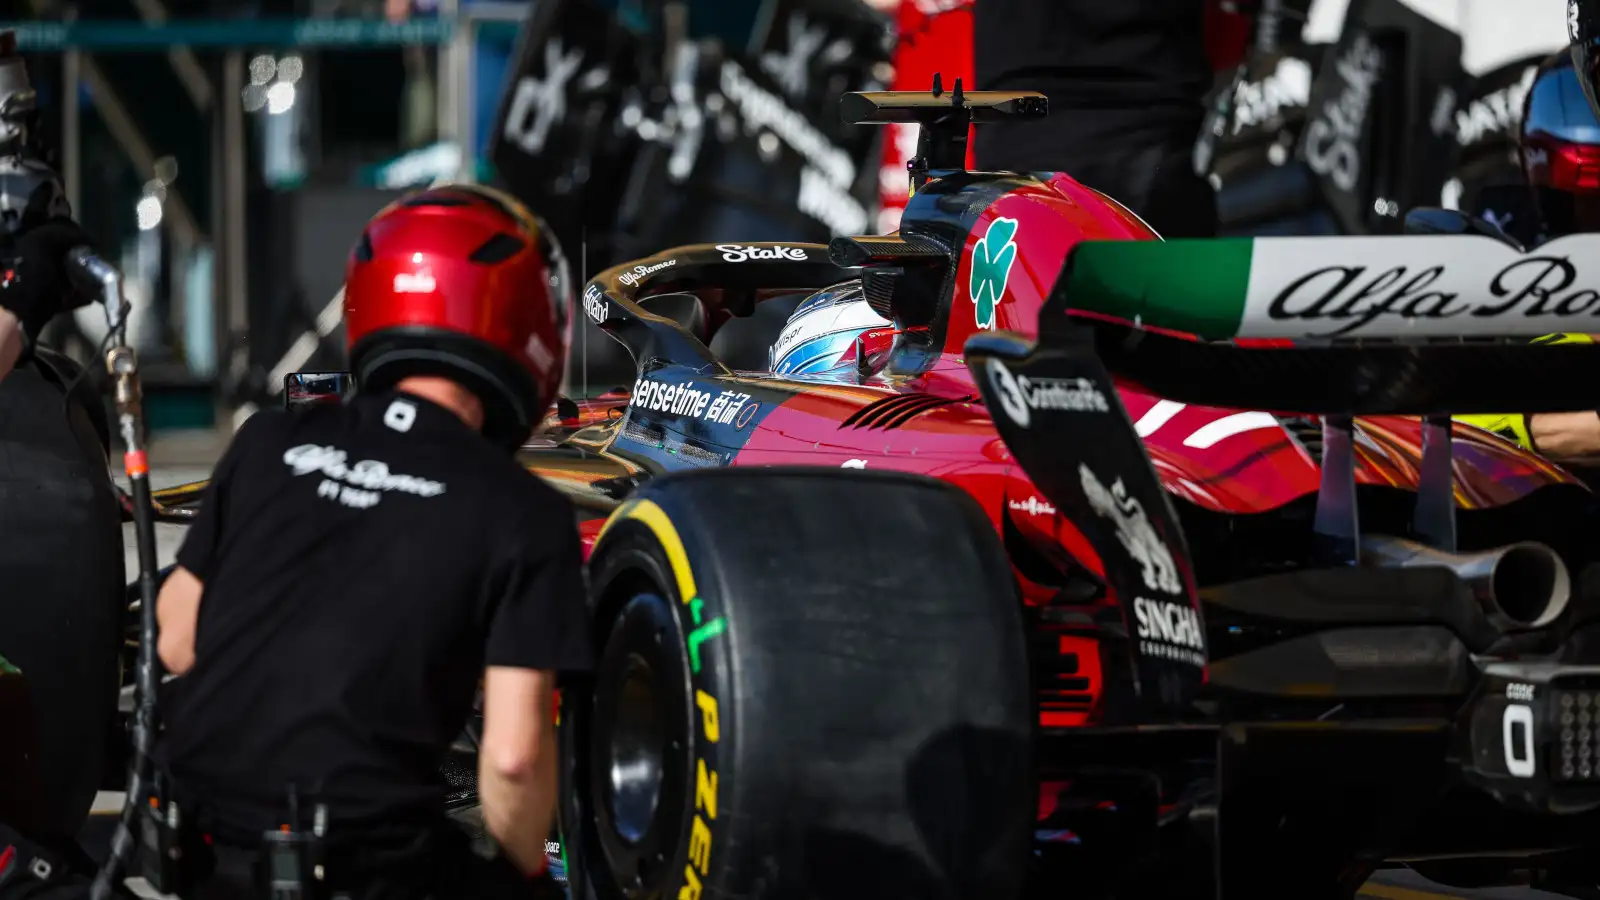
(226, 152)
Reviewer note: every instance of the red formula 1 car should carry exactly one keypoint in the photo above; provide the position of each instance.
(1043, 600)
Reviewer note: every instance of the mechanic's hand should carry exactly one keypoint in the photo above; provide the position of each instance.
(36, 285)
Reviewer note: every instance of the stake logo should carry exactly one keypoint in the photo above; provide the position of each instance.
(1333, 137)
(991, 269)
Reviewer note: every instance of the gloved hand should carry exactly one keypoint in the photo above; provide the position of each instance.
(35, 285)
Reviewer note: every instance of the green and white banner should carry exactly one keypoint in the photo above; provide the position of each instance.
(1342, 288)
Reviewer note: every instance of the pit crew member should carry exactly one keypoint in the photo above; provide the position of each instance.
(1560, 154)
(355, 570)
(62, 604)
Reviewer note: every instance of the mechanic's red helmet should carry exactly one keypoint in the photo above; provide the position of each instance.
(461, 281)
(1560, 149)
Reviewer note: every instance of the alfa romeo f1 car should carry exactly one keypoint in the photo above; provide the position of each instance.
(1152, 566)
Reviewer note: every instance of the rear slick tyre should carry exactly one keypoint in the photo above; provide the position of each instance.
(811, 684)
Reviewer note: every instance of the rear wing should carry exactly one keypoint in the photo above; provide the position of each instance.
(1428, 325)
(1404, 324)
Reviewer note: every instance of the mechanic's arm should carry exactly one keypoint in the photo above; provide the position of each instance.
(1572, 437)
(10, 342)
(177, 610)
(540, 626)
(517, 762)
(178, 604)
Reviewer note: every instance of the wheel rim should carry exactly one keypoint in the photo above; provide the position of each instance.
(638, 742)
(637, 759)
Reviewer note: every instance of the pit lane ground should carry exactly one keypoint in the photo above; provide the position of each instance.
(186, 457)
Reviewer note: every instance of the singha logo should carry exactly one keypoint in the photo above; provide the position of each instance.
(1134, 530)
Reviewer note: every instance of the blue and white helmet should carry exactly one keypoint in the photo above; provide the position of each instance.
(821, 336)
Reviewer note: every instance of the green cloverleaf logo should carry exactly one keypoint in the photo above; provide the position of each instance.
(991, 268)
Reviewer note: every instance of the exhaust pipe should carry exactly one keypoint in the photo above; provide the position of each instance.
(1519, 586)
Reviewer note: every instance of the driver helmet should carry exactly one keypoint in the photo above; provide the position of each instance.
(461, 281)
(830, 333)
(1559, 146)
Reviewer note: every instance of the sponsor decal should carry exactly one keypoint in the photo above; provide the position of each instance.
(705, 772)
(736, 253)
(415, 283)
(637, 273)
(539, 353)
(1020, 395)
(1166, 629)
(1515, 691)
(1495, 113)
(1169, 630)
(360, 485)
(400, 416)
(1134, 531)
(831, 204)
(991, 269)
(853, 464)
(1444, 106)
(1257, 102)
(791, 334)
(745, 416)
(698, 864)
(788, 68)
(1033, 506)
(1333, 137)
(1430, 287)
(1574, 21)
(594, 305)
(688, 401)
(541, 103)
(1501, 221)
(760, 109)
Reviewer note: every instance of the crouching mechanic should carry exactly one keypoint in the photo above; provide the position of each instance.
(357, 567)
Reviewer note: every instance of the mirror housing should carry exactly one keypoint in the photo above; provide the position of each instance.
(302, 389)
(1437, 220)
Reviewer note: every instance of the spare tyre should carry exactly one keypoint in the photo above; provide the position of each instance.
(811, 683)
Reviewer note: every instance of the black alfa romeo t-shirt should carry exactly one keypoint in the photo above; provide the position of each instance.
(362, 565)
